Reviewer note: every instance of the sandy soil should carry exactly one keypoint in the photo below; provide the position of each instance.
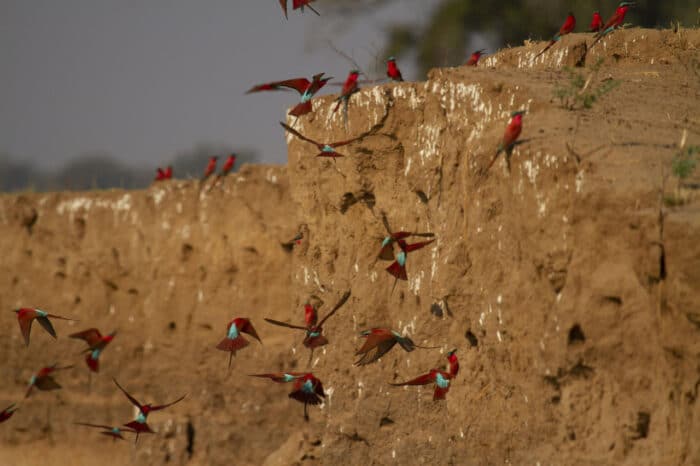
(569, 287)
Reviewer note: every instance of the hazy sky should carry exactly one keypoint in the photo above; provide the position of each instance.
(144, 79)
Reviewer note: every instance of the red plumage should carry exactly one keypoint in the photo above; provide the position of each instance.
(25, 317)
(392, 70)
(509, 137)
(398, 271)
(596, 22)
(474, 58)
(568, 26)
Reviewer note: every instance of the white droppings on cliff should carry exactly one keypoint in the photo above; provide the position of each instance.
(357, 268)
(499, 299)
(112, 310)
(481, 319)
(315, 362)
(317, 281)
(428, 141)
(360, 386)
(409, 94)
(200, 296)
(373, 276)
(158, 196)
(542, 207)
(393, 452)
(408, 167)
(165, 225)
(306, 276)
(414, 282)
(498, 335)
(124, 203)
(531, 170)
(178, 207)
(329, 397)
(434, 257)
(185, 232)
(579, 181)
(271, 177)
(131, 319)
(565, 219)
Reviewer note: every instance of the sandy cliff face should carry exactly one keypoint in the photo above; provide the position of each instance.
(567, 286)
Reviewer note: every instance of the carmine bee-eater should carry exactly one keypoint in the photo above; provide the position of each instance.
(307, 388)
(234, 341)
(596, 22)
(441, 378)
(211, 167)
(25, 317)
(398, 267)
(392, 70)
(568, 26)
(96, 344)
(160, 175)
(296, 4)
(326, 150)
(386, 253)
(474, 58)
(380, 341)
(511, 135)
(43, 380)
(110, 431)
(613, 23)
(296, 241)
(314, 331)
(139, 425)
(7, 413)
(225, 170)
(306, 89)
(349, 88)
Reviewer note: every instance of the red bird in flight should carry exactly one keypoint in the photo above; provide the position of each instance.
(387, 251)
(398, 267)
(96, 344)
(225, 170)
(139, 425)
(43, 380)
(109, 431)
(25, 317)
(474, 58)
(307, 388)
(511, 135)
(314, 331)
(234, 341)
(380, 341)
(296, 4)
(392, 70)
(440, 378)
(566, 28)
(326, 150)
(306, 89)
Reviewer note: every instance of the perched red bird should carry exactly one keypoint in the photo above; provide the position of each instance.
(613, 23)
(168, 172)
(43, 380)
(392, 70)
(596, 22)
(296, 4)
(387, 251)
(139, 425)
(307, 388)
(566, 28)
(326, 150)
(211, 167)
(109, 431)
(234, 341)
(289, 245)
(160, 175)
(474, 58)
(225, 170)
(306, 89)
(96, 344)
(511, 135)
(380, 341)
(25, 317)
(7, 413)
(349, 88)
(441, 378)
(398, 267)
(314, 331)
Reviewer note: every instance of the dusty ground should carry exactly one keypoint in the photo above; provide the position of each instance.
(567, 283)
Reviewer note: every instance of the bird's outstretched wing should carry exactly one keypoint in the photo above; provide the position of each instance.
(91, 336)
(424, 379)
(299, 135)
(284, 324)
(297, 84)
(338, 305)
(133, 400)
(159, 407)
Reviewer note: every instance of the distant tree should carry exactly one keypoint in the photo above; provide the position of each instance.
(98, 171)
(17, 175)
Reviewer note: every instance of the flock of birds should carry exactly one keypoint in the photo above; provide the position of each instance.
(306, 388)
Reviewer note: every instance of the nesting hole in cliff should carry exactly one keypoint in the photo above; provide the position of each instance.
(61, 275)
(662, 263)
(616, 300)
(110, 285)
(133, 291)
(186, 252)
(29, 219)
(642, 428)
(80, 226)
(471, 338)
(576, 335)
(385, 421)
(422, 196)
(190, 439)
(77, 300)
(350, 199)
